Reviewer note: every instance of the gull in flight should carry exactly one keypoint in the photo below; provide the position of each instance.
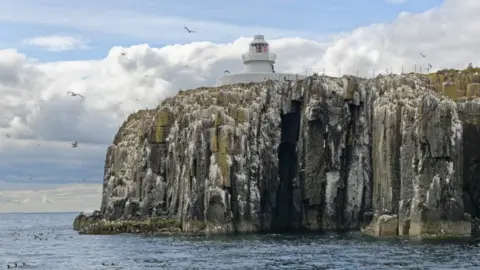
(423, 55)
(227, 71)
(74, 144)
(74, 94)
(188, 30)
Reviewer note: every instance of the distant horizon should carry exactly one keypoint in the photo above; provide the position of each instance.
(9, 213)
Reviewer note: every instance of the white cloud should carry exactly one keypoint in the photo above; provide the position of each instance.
(57, 43)
(35, 108)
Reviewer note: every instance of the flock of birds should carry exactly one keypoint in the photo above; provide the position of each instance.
(51, 235)
(74, 144)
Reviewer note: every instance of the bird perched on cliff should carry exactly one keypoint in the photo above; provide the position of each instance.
(188, 30)
(74, 144)
(423, 55)
(72, 94)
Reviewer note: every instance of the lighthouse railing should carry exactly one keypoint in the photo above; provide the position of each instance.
(247, 57)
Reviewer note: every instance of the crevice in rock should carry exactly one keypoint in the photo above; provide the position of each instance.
(396, 184)
(346, 161)
(287, 167)
(236, 217)
(367, 195)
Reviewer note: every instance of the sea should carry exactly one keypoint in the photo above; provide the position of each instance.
(47, 241)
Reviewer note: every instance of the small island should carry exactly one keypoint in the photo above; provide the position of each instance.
(390, 155)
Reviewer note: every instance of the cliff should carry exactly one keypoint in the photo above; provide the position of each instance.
(391, 155)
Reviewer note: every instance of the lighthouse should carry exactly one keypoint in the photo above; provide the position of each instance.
(259, 58)
(259, 65)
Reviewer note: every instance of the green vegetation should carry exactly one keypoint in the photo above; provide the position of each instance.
(457, 84)
(149, 225)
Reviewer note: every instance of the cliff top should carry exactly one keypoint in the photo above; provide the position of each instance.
(233, 100)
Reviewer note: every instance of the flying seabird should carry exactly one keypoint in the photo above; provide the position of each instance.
(226, 71)
(74, 144)
(74, 94)
(430, 66)
(188, 30)
(423, 55)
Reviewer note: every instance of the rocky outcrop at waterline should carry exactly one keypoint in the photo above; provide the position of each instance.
(391, 155)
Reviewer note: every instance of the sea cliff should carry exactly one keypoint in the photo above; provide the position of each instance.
(392, 155)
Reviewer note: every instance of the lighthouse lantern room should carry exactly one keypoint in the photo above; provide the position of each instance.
(259, 58)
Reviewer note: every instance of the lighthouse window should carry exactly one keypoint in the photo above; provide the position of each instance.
(259, 48)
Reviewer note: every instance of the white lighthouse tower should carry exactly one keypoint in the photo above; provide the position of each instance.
(259, 58)
(258, 66)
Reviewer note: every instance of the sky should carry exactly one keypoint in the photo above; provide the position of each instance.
(128, 55)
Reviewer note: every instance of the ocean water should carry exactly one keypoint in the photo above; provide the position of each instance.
(59, 247)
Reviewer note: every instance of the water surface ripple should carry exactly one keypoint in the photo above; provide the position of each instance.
(62, 248)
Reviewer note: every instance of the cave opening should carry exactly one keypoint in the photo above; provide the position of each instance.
(471, 169)
(216, 210)
(287, 167)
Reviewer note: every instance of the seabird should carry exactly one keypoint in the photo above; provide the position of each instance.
(74, 144)
(74, 94)
(226, 71)
(188, 30)
(423, 55)
(430, 66)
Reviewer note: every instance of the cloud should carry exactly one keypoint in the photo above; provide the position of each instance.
(42, 120)
(57, 43)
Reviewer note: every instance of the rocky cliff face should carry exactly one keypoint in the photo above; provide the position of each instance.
(389, 154)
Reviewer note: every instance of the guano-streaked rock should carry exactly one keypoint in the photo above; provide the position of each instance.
(320, 154)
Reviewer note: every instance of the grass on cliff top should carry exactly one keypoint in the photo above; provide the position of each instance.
(456, 84)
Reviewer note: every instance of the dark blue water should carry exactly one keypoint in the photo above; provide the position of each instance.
(62, 248)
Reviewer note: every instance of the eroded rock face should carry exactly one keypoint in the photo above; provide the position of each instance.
(320, 154)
